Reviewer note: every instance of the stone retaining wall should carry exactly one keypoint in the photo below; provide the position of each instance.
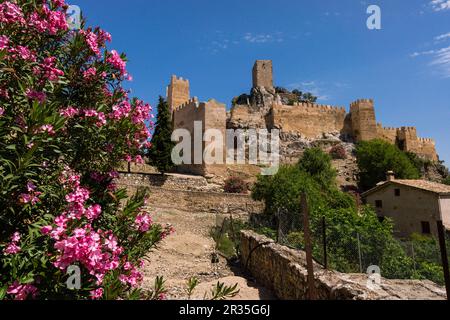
(283, 271)
(190, 194)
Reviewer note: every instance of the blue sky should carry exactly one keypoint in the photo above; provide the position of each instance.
(318, 46)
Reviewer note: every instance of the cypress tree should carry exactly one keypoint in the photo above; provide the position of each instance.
(160, 152)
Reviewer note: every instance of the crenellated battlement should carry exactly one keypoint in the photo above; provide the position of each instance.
(313, 107)
(393, 129)
(361, 101)
(191, 103)
(179, 79)
(427, 140)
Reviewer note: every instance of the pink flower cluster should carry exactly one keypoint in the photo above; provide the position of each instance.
(2, 111)
(4, 93)
(90, 73)
(69, 112)
(101, 117)
(92, 41)
(97, 251)
(13, 247)
(116, 61)
(31, 196)
(22, 52)
(49, 21)
(10, 13)
(48, 129)
(22, 291)
(4, 42)
(36, 95)
(120, 111)
(143, 222)
(48, 71)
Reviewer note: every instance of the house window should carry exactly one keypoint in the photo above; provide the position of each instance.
(426, 229)
(397, 192)
(379, 204)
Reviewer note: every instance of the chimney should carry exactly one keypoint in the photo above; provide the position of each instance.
(390, 176)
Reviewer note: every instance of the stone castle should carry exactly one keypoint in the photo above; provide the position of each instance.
(269, 108)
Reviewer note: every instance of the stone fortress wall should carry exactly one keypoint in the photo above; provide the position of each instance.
(310, 120)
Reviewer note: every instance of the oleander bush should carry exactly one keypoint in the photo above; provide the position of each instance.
(65, 123)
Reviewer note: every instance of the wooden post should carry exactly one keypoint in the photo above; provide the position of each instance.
(324, 236)
(444, 256)
(308, 247)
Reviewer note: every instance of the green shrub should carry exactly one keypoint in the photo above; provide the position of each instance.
(375, 158)
(235, 185)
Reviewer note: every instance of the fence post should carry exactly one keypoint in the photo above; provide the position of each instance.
(444, 256)
(359, 253)
(324, 236)
(308, 247)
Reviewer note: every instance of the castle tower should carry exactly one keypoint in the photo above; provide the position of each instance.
(263, 74)
(177, 92)
(364, 124)
(407, 139)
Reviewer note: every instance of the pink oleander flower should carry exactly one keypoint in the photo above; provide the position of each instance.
(2, 111)
(46, 230)
(12, 248)
(143, 222)
(128, 158)
(69, 112)
(23, 52)
(11, 13)
(35, 95)
(31, 198)
(97, 294)
(92, 41)
(139, 160)
(31, 187)
(48, 21)
(104, 36)
(116, 61)
(90, 113)
(22, 291)
(93, 212)
(101, 119)
(90, 73)
(47, 128)
(48, 71)
(4, 42)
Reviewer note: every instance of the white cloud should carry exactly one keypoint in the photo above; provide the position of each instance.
(263, 37)
(439, 5)
(442, 37)
(441, 59)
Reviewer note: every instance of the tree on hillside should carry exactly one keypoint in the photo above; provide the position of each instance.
(446, 181)
(160, 153)
(375, 158)
(318, 164)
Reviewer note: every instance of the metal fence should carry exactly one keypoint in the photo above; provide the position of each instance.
(348, 251)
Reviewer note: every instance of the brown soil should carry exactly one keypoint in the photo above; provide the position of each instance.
(187, 253)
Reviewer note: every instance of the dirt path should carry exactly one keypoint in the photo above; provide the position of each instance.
(187, 253)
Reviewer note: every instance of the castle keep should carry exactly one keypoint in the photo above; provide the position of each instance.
(266, 108)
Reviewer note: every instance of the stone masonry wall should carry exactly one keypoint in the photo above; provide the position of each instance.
(189, 193)
(311, 120)
(283, 271)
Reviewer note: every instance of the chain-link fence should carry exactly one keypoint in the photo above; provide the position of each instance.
(351, 251)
